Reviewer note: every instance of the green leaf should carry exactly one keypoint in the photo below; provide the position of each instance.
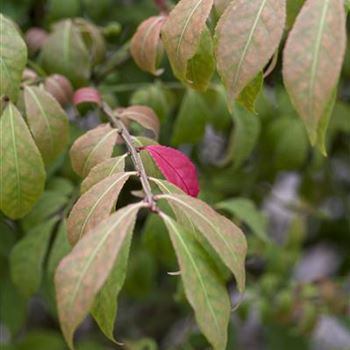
(83, 272)
(319, 30)
(225, 238)
(27, 256)
(182, 32)
(244, 137)
(95, 205)
(190, 122)
(13, 58)
(247, 35)
(221, 5)
(201, 66)
(102, 170)
(47, 121)
(62, 185)
(41, 340)
(22, 172)
(245, 210)
(247, 98)
(92, 148)
(65, 53)
(204, 290)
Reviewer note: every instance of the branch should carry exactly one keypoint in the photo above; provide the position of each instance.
(117, 123)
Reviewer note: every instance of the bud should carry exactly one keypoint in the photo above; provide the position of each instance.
(35, 39)
(60, 88)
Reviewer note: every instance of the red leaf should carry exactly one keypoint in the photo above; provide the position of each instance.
(86, 95)
(176, 167)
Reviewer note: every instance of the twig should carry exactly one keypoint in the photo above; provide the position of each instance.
(117, 123)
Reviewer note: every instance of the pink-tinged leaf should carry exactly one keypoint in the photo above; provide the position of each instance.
(83, 272)
(94, 206)
(60, 88)
(92, 148)
(86, 95)
(146, 44)
(142, 115)
(176, 168)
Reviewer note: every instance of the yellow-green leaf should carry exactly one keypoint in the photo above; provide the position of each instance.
(83, 272)
(204, 289)
(47, 121)
(94, 206)
(247, 35)
(313, 58)
(182, 31)
(13, 58)
(22, 172)
(249, 94)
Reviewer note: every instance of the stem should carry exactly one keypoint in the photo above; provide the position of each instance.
(117, 123)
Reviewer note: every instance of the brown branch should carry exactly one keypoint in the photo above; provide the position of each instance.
(117, 123)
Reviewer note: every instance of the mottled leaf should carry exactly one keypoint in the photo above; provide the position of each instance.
(204, 290)
(191, 120)
(102, 170)
(94, 206)
(247, 35)
(83, 272)
(144, 116)
(313, 58)
(243, 138)
(13, 58)
(225, 237)
(182, 31)
(92, 148)
(145, 44)
(47, 121)
(249, 94)
(201, 66)
(22, 172)
(27, 257)
(176, 168)
(65, 53)
(245, 210)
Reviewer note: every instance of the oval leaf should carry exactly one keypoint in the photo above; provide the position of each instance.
(13, 58)
(101, 171)
(225, 237)
(176, 168)
(181, 33)
(311, 79)
(22, 172)
(144, 116)
(205, 291)
(94, 206)
(47, 121)
(86, 94)
(247, 36)
(92, 148)
(145, 44)
(82, 273)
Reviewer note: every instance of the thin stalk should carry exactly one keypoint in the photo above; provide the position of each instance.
(117, 123)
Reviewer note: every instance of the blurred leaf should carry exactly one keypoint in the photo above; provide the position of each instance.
(21, 166)
(7, 238)
(204, 290)
(94, 206)
(293, 8)
(92, 148)
(27, 257)
(201, 66)
(41, 340)
(182, 32)
(47, 121)
(60, 184)
(58, 9)
(249, 94)
(240, 60)
(13, 58)
(142, 344)
(63, 49)
(190, 122)
(320, 30)
(82, 273)
(244, 136)
(221, 5)
(245, 210)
